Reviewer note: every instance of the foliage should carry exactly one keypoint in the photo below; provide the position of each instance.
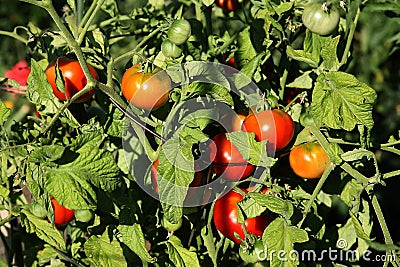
(96, 157)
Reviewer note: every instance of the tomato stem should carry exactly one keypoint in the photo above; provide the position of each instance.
(316, 191)
(89, 20)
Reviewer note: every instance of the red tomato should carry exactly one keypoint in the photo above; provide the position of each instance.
(129, 72)
(273, 125)
(308, 160)
(62, 215)
(146, 90)
(192, 187)
(229, 5)
(74, 78)
(224, 153)
(226, 218)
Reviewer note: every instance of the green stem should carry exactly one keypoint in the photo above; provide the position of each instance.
(391, 174)
(88, 14)
(93, 13)
(14, 35)
(392, 150)
(391, 144)
(134, 51)
(382, 223)
(345, 55)
(317, 189)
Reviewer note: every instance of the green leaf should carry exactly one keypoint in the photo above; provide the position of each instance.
(46, 153)
(357, 154)
(175, 173)
(283, 7)
(208, 241)
(70, 189)
(43, 229)
(180, 256)
(303, 81)
(95, 165)
(104, 251)
(250, 208)
(4, 113)
(274, 204)
(280, 237)
(328, 53)
(251, 150)
(303, 56)
(246, 50)
(39, 88)
(340, 101)
(351, 194)
(133, 237)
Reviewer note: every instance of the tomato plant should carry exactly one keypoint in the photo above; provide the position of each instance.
(227, 160)
(168, 61)
(226, 218)
(146, 90)
(73, 77)
(320, 19)
(274, 125)
(308, 160)
(62, 215)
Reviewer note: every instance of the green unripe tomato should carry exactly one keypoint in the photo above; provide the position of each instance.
(320, 21)
(179, 31)
(169, 49)
(38, 210)
(306, 120)
(84, 215)
(171, 227)
(255, 254)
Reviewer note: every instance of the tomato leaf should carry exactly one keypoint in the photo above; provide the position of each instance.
(255, 152)
(280, 237)
(39, 88)
(303, 56)
(133, 237)
(4, 112)
(180, 256)
(250, 208)
(273, 203)
(43, 229)
(46, 153)
(246, 51)
(328, 54)
(104, 251)
(303, 81)
(340, 101)
(351, 194)
(175, 173)
(208, 241)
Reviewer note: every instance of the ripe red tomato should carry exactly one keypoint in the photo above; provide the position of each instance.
(74, 78)
(274, 125)
(308, 160)
(145, 90)
(192, 187)
(226, 218)
(224, 153)
(62, 215)
(229, 5)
